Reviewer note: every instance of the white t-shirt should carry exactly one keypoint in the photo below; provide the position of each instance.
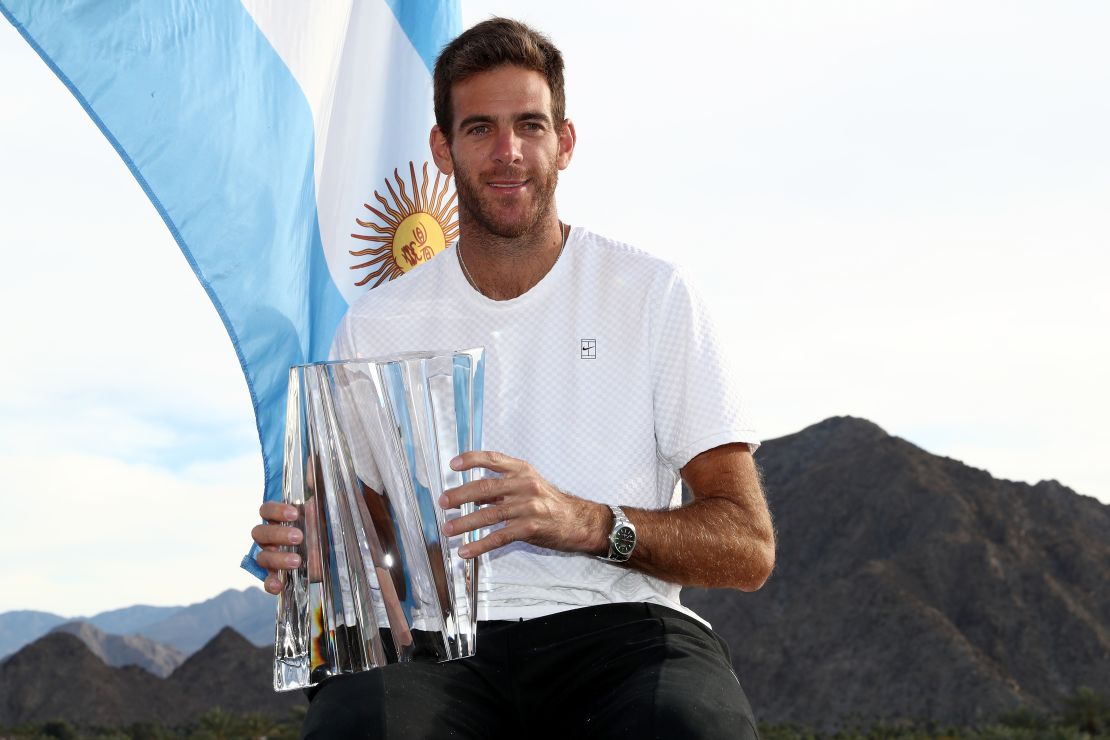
(606, 376)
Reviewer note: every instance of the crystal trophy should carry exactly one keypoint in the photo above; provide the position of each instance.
(368, 445)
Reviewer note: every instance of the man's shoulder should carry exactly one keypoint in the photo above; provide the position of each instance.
(618, 256)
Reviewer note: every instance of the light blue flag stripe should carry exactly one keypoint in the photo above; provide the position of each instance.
(429, 24)
(220, 137)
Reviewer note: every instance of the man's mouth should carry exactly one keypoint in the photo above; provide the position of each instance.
(507, 184)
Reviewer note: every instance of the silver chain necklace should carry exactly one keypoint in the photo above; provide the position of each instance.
(470, 279)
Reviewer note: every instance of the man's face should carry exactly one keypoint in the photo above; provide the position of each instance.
(505, 150)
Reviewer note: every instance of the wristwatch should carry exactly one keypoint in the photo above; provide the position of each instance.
(622, 539)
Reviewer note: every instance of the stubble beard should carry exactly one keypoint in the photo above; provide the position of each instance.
(470, 192)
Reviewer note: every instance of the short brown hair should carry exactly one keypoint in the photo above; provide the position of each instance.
(491, 44)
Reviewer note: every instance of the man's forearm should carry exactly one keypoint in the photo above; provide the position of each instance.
(709, 542)
(724, 538)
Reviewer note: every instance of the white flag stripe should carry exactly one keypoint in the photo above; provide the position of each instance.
(360, 74)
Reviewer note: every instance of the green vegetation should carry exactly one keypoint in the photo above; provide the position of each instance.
(214, 725)
(926, 731)
(1085, 715)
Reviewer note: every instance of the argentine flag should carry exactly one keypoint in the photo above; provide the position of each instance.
(283, 142)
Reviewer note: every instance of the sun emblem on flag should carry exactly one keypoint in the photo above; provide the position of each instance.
(409, 229)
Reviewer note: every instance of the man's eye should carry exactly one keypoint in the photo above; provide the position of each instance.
(479, 130)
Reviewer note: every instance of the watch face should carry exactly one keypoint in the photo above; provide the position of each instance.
(624, 539)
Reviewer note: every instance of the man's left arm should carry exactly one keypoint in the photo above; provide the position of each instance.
(723, 538)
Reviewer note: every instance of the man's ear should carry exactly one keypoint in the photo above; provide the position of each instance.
(441, 151)
(567, 139)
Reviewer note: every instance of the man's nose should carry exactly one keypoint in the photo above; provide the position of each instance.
(507, 148)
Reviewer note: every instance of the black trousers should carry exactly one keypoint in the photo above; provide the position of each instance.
(614, 671)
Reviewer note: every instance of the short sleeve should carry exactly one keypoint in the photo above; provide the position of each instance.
(696, 393)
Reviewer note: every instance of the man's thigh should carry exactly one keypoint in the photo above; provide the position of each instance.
(617, 671)
(658, 676)
(406, 700)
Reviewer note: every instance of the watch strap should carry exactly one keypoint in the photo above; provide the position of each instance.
(621, 526)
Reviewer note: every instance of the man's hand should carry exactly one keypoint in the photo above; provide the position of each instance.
(724, 538)
(271, 536)
(532, 509)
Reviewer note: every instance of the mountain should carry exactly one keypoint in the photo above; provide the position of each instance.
(910, 585)
(132, 618)
(121, 650)
(57, 677)
(185, 628)
(231, 673)
(250, 612)
(21, 627)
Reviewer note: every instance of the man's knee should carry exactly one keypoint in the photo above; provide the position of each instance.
(404, 700)
(698, 694)
(347, 707)
(698, 720)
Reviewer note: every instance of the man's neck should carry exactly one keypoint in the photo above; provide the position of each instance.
(503, 268)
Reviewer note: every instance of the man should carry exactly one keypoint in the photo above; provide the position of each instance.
(604, 383)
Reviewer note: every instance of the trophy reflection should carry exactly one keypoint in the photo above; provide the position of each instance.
(368, 445)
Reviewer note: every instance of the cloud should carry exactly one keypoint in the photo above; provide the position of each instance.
(95, 533)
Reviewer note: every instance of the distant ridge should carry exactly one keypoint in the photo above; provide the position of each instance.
(131, 618)
(912, 585)
(184, 628)
(17, 628)
(121, 650)
(250, 612)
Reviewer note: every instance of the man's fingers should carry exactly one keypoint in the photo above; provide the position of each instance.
(276, 534)
(498, 462)
(276, 511)
(272, 584)
(492, 541)
(487, 516)
(274, 560)
(484, 491)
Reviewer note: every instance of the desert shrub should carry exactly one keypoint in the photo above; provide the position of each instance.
(1088, 711)
(60, 729)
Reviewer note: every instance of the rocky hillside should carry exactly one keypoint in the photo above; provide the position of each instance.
(231, 673)
(58, 677)
(912, 585)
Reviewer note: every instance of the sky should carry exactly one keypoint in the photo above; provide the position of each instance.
(898, 211)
